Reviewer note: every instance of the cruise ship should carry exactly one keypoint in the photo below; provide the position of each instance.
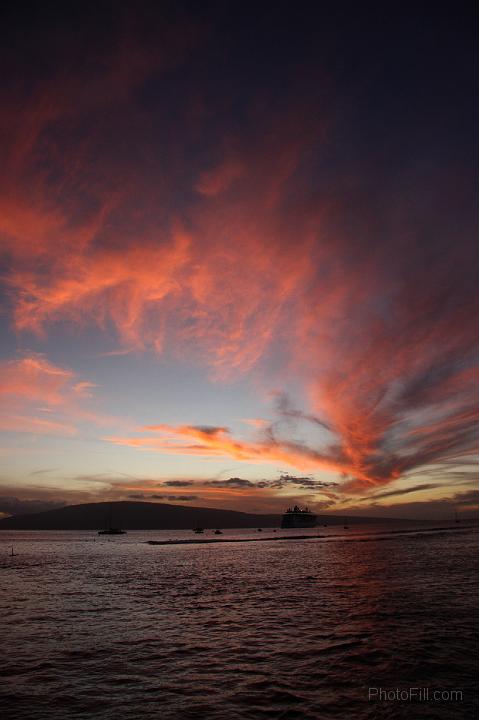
(296, 517)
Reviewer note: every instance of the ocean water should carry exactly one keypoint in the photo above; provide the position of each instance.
(114, 628)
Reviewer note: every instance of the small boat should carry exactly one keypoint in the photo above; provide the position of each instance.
(198, 530)
(112, 531)
(218, 532)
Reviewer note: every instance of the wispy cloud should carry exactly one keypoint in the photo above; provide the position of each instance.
(40, 397)
(402, 491)
(206, 441)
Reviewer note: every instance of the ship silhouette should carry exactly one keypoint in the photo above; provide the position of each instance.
(297, 517)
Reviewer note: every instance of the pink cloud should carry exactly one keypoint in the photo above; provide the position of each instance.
(33, 387)
(204, 441)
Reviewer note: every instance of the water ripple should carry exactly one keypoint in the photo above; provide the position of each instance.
(295, 631)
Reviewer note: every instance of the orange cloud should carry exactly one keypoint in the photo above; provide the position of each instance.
(186, 290)
(217, 442)
(33, 387)
(216, 277)
(35, 425)
(34, 378)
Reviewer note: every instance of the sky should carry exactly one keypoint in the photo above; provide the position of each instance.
(239, 257)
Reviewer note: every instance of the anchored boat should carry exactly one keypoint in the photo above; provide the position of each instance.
(111, 530)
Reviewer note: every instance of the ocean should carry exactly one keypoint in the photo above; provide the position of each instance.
(358, 623)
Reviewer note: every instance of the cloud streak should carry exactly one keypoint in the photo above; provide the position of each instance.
(206, 441)
(40, 397)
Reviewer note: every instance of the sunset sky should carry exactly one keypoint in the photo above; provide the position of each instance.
(239, 257)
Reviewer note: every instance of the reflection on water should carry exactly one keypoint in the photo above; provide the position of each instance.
(115, 628)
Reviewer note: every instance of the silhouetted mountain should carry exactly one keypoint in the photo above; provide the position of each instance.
(150, 516)
(136, 516)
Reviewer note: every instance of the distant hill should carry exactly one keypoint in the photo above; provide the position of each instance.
(136, 516)
(151, 516)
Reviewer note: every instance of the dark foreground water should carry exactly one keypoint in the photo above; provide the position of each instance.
(112, 628)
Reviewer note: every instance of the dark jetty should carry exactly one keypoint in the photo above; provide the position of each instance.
(377, 534)
(204, 541)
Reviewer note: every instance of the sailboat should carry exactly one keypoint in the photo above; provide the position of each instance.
(111, 530)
